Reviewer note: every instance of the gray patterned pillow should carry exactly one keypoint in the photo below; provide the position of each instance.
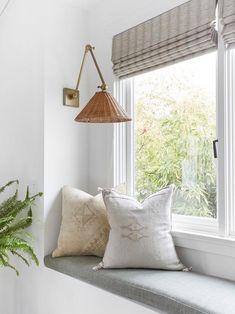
(140, 233)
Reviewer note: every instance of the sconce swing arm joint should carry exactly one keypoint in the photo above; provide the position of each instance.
(89, 48)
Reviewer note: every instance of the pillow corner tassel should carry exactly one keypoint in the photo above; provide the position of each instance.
(98, 267)
(187, 269)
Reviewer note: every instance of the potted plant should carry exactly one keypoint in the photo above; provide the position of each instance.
(15, 217)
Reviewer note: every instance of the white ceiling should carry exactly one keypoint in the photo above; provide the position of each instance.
(85, 4)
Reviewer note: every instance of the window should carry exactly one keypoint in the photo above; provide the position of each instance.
(178, 111)
(183, 128)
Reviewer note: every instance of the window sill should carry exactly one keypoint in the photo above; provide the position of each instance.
(195, 225)
(224, 246)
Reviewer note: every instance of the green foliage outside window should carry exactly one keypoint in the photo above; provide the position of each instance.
(175, 127)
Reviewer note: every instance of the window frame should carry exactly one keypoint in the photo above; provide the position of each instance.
(230, 99)
(224, 224)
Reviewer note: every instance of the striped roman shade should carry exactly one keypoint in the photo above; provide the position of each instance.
(227, 17)
(172, 36)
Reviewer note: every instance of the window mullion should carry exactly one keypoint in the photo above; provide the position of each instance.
(124, 137)
(130, 143)
(222, 131)
(230, 66)
(119, 139)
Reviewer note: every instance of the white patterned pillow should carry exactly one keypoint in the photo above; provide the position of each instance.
(84, 228)
(140, 233)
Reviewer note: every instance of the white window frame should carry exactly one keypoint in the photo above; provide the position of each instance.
(230, 100)
(224, 224)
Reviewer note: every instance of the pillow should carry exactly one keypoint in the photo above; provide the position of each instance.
(84, 228)
(140, 233)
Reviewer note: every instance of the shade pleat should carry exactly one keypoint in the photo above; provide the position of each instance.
(227, 18)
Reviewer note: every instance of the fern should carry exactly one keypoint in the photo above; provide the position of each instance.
(8, 204)
(8, 184)
(11, 228)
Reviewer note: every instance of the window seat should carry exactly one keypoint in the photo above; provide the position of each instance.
(166, 291)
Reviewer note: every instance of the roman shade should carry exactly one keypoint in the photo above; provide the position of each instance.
(186, 30)
(227, 18)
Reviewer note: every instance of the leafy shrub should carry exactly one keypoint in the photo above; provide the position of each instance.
(174, 144)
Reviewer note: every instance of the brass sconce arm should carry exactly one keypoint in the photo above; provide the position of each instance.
(71, 96)
(90, 49)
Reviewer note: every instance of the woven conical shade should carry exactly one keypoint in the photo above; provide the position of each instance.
(102, 108)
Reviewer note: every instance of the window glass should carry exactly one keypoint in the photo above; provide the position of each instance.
(175, 125)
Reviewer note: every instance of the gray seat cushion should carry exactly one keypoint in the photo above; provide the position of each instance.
(168, 291)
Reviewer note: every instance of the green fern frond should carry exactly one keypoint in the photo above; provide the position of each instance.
(8, 205)
(5, 220)
(5, 263)
(8, 184)
(4, 256)
(23, 223)
(27, 193)
(12, 229)
(21, 257)
(20, 205)
(11, 243)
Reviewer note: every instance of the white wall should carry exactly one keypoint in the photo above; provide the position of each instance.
(41, 291)
(21, 115)
(66, 141)
(31, 109)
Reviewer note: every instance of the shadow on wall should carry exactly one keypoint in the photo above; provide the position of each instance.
(53, 218)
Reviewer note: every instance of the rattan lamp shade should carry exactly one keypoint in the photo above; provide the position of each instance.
(102, 108)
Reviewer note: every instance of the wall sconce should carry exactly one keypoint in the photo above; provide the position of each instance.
(102, 107)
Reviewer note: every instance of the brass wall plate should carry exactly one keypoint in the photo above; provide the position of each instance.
(71, 97)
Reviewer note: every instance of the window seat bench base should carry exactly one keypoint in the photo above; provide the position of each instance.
(166, 291)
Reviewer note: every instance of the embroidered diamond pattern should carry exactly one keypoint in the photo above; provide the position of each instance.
(84, 217)
(135, 231)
